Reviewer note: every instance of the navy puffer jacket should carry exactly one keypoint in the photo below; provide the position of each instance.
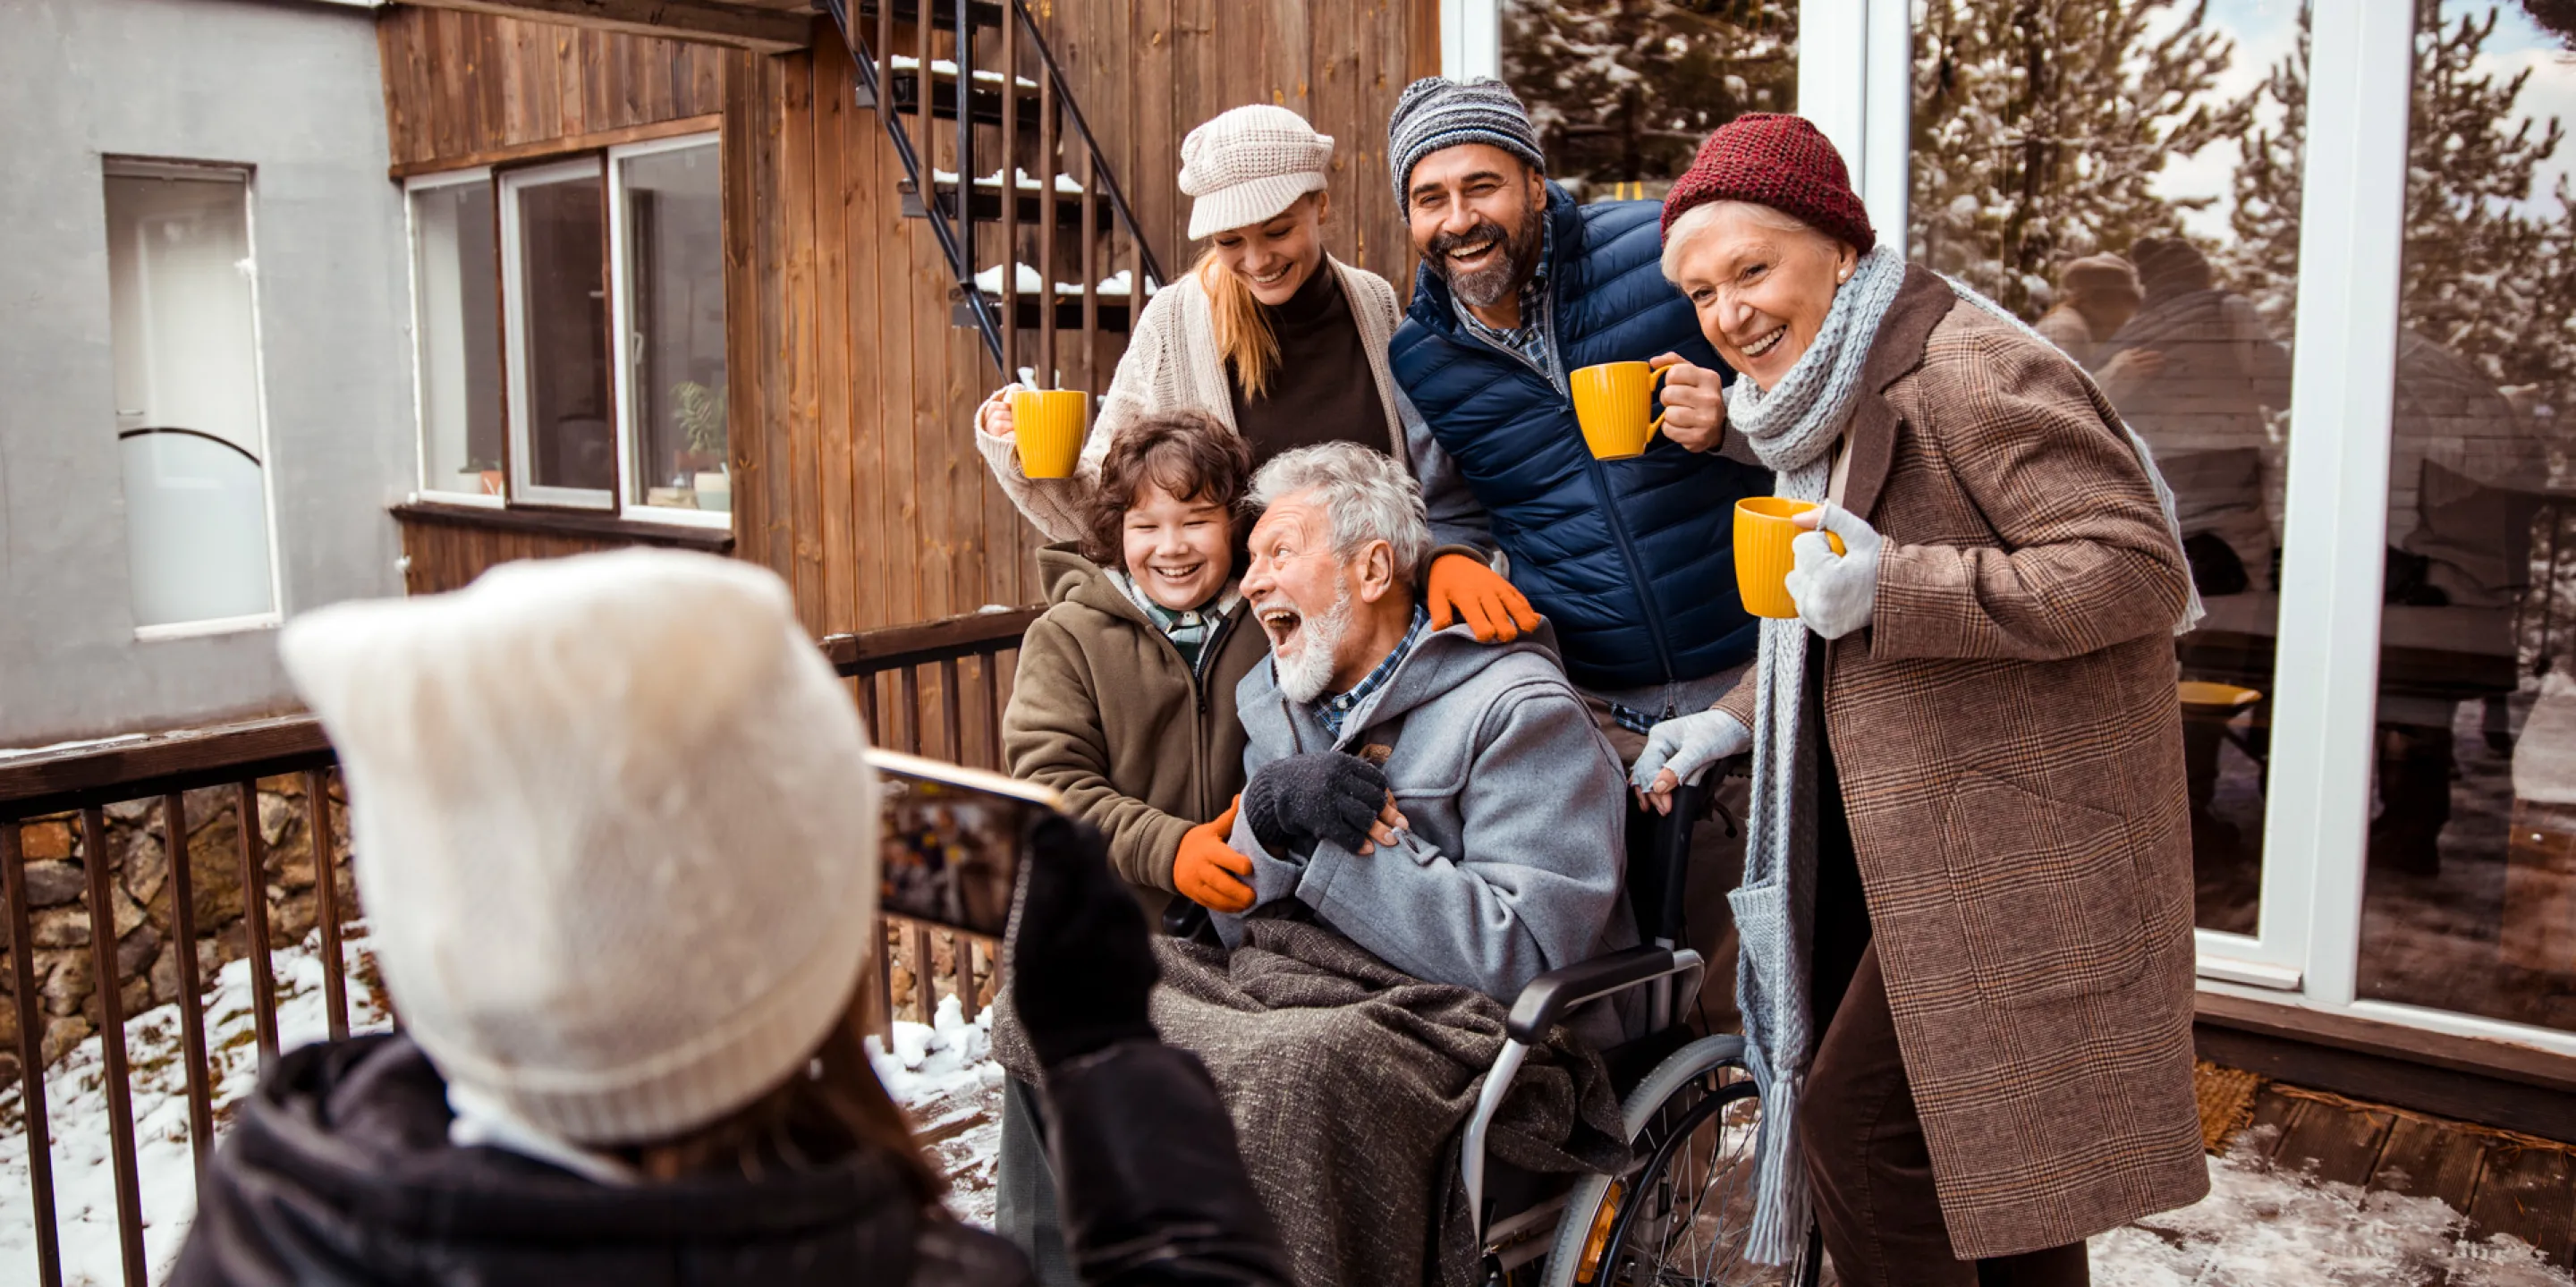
(1633, 559)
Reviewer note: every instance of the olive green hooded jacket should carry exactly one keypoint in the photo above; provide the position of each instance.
(1105, 711)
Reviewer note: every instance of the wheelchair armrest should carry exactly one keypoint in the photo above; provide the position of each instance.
(1547, 997)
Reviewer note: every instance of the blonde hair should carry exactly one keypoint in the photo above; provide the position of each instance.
(1243, 335)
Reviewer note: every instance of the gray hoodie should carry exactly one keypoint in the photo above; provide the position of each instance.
(1514, 862)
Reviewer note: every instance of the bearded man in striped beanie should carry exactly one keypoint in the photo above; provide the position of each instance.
(1631, 560)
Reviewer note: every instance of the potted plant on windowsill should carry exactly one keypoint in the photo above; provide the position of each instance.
(479, 477)
(700, 412)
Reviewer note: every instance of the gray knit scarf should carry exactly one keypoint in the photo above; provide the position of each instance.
(1794, 428)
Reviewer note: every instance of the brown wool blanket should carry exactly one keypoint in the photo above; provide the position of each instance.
(1350, 1082)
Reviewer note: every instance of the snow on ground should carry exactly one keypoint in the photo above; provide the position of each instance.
(944, 1076)
(77, 1114)
(2260, 1227)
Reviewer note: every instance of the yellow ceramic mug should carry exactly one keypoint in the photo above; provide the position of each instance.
(1614, 403)
(1049, 426)
(1762, 559)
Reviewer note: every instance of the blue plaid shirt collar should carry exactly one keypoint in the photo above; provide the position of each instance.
(1531, 339)
(1335, 709)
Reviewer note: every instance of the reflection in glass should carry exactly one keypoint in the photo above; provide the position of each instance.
(674, 302)
(2469, 903)
(1622, 91)
(459, 348)
(2126, 178)
(563, 291)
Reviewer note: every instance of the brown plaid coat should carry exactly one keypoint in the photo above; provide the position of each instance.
(2011, 756)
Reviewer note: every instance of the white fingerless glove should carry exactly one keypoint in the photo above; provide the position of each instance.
(1687, 744)
(1835, 593)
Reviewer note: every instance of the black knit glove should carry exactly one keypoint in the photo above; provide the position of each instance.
(1080, 963)
(1322, 795)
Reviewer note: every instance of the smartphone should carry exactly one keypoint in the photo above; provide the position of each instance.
(953, 839)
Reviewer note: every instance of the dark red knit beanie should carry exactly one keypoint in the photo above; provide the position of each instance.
(1783, 162)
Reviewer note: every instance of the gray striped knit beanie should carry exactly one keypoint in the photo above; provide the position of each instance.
(1436, 112)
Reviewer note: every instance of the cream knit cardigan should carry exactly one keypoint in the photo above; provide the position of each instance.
(1172, 363)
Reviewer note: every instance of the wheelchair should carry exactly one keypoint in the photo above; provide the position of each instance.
(1680, 1211)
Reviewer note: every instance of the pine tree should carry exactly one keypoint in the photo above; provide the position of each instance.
(2481, 276)
(1624, 90)
(2040, 127)
(2262, 259)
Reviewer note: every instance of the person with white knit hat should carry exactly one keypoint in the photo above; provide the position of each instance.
(1283, 344)
(616, 831)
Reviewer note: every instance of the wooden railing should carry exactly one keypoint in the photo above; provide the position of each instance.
(937, 688)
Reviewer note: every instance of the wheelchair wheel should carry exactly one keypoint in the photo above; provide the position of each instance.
(1681, 1217)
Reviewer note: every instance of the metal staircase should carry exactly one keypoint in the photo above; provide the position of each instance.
(1042, 202)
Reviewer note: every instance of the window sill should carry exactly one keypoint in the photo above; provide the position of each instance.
(211, 626)
(557, 522)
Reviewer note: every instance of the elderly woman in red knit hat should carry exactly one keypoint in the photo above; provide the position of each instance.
(1967, 907)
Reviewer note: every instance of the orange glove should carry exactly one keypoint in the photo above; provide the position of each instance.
(1464, 589)
(1209, 872)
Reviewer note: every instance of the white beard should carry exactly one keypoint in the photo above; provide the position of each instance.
(1306, 675)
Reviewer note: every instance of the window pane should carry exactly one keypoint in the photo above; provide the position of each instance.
(1623, 91)
(457, 320)
(563, 335)
(2126, 178)
(187, 396)
(2469, 903)
(674, 316)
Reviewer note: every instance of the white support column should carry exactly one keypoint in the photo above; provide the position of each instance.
(1833, 74)
(1887, 110)
(1471, 38)
(2327, 671)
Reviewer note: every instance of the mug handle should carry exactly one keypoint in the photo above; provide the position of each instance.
(1656, 390)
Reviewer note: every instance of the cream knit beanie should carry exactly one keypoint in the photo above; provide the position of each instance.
(614, 830)
(1244, 166)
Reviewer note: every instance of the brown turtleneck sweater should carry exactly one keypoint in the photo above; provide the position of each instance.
(1322, 390)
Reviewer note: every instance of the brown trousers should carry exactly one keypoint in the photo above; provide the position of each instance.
(1867, 1163)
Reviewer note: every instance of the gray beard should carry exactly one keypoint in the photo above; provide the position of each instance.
(1491, 286)
(1308, 675)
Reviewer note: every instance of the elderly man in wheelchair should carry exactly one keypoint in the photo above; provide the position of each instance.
(1450, 1027)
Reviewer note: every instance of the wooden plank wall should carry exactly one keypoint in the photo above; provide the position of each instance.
(461, 87)
(863, 486)
(1147, 71)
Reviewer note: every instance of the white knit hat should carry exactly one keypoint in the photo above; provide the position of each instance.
(1244, 166)
(614, 830)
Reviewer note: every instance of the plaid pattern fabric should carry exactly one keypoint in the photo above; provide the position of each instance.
(1189, 628)
(1337, 708)
(2011, 758)
(1534, 340)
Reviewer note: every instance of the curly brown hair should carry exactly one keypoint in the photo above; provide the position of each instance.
(1186, 453)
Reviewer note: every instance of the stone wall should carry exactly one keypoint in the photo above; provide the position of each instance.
(147, 962)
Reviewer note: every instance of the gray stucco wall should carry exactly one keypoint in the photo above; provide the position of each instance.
(290, 88)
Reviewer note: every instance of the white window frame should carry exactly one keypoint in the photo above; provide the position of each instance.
(621, 305)
(1855, 80)
(135, 167)
(419, 394)
(514, 338)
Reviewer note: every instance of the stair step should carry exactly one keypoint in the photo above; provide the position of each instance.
(1068, 313)
(943, 13)
(985, 102)
(988, 208)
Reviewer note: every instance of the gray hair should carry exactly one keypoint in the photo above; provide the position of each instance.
(1368, 497)
(1696, 220)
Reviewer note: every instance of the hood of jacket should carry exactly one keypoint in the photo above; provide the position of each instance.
(339, 1169)
(1443, 664)
(1634, 559)
(1065, 576)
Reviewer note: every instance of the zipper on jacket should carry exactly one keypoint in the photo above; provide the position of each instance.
(1600, 486)
(1199, 721)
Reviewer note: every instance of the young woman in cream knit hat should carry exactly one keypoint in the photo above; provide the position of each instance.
(1279, 341)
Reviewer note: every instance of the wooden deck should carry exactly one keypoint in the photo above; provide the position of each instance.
(2503, 1182)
